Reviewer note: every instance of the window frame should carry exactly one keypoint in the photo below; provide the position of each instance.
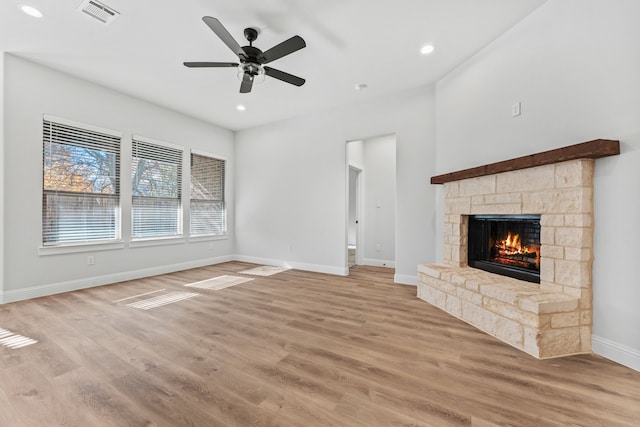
(210, 236)
(142, 241)
(81, 245)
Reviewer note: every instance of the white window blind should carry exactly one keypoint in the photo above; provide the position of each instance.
(80, 186)
(207, 196)
(156, 177)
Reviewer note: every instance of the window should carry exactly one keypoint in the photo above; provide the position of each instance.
(156, 178)
(80, 185)
(207, 196)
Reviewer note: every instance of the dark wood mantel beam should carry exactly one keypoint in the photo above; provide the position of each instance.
(586, 150)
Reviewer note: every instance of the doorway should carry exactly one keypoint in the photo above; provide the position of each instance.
(371, 202)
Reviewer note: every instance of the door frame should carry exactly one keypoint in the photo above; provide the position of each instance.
(360, 238)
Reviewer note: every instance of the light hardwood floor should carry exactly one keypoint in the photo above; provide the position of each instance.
(293, 349)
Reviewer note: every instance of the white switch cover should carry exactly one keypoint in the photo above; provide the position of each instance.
(516, 109)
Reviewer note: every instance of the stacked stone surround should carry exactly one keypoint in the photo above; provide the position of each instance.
(551, 319)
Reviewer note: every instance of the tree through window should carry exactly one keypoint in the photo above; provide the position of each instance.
(156, 179)
(80, 186)
(207, 203)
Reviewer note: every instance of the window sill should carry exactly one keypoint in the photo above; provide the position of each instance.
(140, 243)
(207, 238)
(158, 241)
(79, 247)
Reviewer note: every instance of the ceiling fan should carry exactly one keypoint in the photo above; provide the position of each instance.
(252, 59)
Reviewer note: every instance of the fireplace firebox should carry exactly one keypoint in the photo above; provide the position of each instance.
(506, 244)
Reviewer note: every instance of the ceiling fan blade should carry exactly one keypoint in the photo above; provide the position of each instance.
(282, 49)
(210, 64)
(224, 35)
(285, 77)
(247, 83)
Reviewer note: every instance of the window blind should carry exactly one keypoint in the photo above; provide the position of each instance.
(80, 185)
(156, 177)
(207, 205)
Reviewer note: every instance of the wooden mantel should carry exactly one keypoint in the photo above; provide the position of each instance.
(586, 150)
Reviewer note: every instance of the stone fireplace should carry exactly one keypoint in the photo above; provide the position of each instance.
(549, 319)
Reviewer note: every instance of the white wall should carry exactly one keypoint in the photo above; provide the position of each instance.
(575, 66)
(380, 201)
(355, 153)
(30, 91)
(291, 184)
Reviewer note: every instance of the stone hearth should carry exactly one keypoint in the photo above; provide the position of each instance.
(547, 320)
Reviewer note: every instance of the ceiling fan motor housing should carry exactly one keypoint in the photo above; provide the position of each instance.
(252, 53)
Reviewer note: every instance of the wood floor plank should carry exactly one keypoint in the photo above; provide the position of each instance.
(8, 414)
(292, 349)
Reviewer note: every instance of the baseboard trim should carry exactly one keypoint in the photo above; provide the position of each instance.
(74, 285)
(620, 353)
(379, 263)
(405, 279)
(316, 268)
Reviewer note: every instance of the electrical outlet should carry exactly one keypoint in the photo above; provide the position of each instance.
(378, 247)
(91, 260)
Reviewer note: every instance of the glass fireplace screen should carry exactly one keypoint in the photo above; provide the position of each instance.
(506, 244)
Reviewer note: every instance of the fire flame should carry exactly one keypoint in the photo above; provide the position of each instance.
(511, 245)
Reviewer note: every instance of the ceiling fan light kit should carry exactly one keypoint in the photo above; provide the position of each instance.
(251, 68)
(254, 72)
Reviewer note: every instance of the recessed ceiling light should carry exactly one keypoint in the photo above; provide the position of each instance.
(31, 11)
(240, 107)
(361, 86)
(427, 49)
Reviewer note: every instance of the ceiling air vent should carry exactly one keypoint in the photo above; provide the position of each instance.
(99, 11)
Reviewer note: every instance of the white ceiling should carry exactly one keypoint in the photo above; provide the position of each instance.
(376, 42)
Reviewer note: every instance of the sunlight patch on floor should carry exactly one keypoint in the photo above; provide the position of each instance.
(265, 270)
(160, 300)
(218, 283)
(14, 341)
